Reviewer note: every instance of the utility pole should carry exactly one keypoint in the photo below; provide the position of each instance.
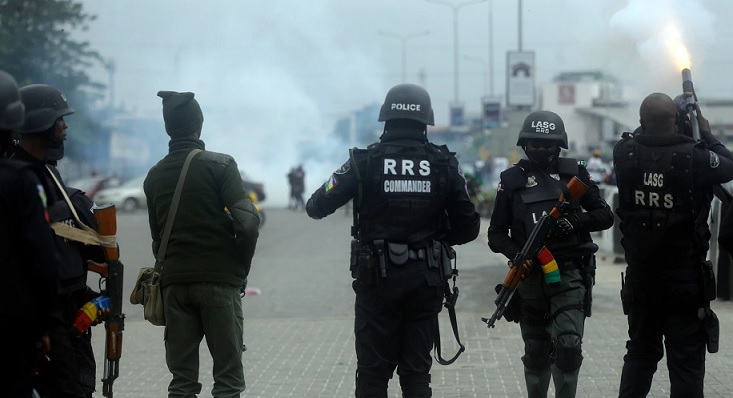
(455, 8)
(404, 39)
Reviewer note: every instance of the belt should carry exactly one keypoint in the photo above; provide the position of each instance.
(568, 264)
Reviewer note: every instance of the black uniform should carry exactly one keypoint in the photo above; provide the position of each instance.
(665, 184)
(412, 202)
(72, 369)
(552, 315)
(30, 267)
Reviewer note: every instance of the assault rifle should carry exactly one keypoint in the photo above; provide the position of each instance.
(111, 272)
(532, 247)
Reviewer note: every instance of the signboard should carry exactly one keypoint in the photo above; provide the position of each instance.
(456, 115)
(491, 112)
(566, 94)
(520, 78)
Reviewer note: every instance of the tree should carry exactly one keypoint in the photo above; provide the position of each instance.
(36, 46)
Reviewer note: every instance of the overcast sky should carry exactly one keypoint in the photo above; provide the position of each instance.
(285, 70)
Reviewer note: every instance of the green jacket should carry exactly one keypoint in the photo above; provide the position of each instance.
(206, 244)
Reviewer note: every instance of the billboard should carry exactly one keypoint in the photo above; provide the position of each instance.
(566, 94)
(520, 78)
(491, 112)
(456, 115)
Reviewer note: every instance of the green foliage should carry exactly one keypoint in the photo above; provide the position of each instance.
(37, 46)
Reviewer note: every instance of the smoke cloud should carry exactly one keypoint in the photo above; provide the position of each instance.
(647, 28)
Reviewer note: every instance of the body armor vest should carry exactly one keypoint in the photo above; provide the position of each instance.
(658, 205)
(403, 192)
(534, 194)
(72, 267)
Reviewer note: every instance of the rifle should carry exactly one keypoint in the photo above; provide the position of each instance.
(688, 90)
(532, 247)
(112, 272)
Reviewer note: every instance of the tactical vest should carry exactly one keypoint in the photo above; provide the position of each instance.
(403, 192)
(72, 267)
(658, 205)
(534, 194)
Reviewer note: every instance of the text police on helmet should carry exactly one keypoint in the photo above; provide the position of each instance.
(407, 101)
(543, 125)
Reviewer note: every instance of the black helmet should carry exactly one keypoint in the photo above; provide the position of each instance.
(543, 125)
(407, 101)
(43, 106)
(12, 109)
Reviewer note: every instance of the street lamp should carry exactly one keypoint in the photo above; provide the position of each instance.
(404, 39)
(111, 66)
(455, 8)
(483, 67)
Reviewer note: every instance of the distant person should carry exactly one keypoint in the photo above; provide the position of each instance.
(296, 177)
(553, 306)
(665, 182)
(597, 168)
(410, 203)
(30, 264)
(209, 252)
(71, 371)
(291, 198)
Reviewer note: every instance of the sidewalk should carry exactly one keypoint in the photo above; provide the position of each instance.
(315, 357)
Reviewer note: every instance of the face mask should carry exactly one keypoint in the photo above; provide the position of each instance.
(543, 158)
(55, 149)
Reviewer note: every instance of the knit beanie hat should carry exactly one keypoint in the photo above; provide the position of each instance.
(181, 113)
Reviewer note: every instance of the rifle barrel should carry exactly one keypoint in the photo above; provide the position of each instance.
(689, 91)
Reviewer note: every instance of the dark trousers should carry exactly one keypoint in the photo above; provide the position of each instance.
(564, 301)
(71, 371)
(195, 311)
(394, 329)
(662, 314)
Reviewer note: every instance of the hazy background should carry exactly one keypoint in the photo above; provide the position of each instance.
(274, 75)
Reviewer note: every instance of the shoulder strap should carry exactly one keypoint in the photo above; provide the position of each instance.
(172, 211)
(450, 304)
(451, 297)
(84, 234)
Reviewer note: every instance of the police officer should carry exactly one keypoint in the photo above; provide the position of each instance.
(665, 184)
(552, 313)
(410, 206)
(29, 263)
(71, 372)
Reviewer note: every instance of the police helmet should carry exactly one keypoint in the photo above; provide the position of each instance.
(12, 109)
(543, 125)
(44, 105)
(407, 101)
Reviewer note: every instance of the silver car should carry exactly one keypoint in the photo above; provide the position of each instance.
(127, 197)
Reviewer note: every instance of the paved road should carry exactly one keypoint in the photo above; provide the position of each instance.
(299, 329)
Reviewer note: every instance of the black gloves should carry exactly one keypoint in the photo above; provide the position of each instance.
(563, 228)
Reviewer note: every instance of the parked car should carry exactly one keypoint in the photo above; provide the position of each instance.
(93, 184)
(251, 185)
(127, 197)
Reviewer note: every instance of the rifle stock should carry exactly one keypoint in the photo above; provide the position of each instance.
(532, 247)
(113, 273)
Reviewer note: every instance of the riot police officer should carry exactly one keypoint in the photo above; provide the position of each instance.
(410, 206)
(552, 313)
(71, 371)
(665, 184)
(29, 263)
